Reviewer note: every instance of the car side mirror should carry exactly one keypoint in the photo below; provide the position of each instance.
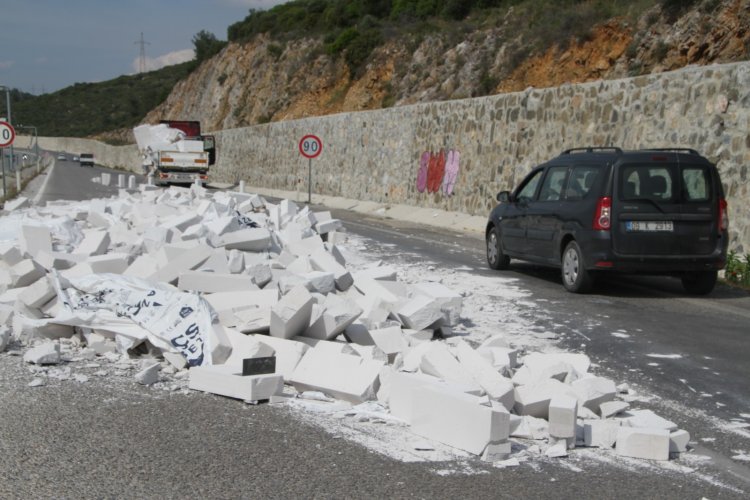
(504, 197)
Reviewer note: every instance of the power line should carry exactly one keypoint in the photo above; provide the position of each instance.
(142, 57)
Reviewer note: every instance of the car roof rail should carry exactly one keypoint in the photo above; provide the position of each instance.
(591, 149)
(676, 150)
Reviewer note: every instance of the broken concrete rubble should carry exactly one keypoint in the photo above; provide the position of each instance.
(265, 268)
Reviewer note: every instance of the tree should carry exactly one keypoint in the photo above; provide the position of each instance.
(206, 45)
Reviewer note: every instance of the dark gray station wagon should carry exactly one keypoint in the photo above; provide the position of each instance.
(596, 210)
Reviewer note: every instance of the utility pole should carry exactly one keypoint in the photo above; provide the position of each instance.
(142, 56)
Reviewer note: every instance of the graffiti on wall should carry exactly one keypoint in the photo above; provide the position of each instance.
(438, 171)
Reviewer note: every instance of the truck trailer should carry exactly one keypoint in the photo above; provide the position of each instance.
(175, 151)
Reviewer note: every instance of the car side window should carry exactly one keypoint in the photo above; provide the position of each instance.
(552, 186)
(528, 188)
(581, 179)
(695, 184)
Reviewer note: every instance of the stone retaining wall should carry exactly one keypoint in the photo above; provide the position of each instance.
(375, 155)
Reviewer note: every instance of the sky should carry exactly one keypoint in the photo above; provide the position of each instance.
(46, 45)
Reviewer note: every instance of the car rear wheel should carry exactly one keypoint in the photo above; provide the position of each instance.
(700, 283)
(575, 277)
(496, 258)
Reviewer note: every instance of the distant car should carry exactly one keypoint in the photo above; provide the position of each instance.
(75, 158)
(600, 210)
(61, 156)
(86, 159)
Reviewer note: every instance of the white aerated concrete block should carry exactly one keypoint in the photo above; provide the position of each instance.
(678, 440)
(419, 312)
(496, 452)
(34, 239)
(288, 353)
(320, 282)
(38, 293)
(385, 273)
(43, 354)
(390, 340)
(650, 444)
(236, 264)
(563, 412)
(593, 391)
(328, 226)
(26, 272)
(223, 301)
(217, 263)
(93, 243)
(450, 302)
(341, 376)
(333, 346)
(336, 314)
(496, 386)
(646, 419)
(244, 347)
(228, 381)
(534, 399)
(110, 263)
(10, 254)
(600, 433)
(261, 274)
(257, 320)
(528, 427)
(142, 267)
(439, 362)
(404, 385)
(458, 419)
(185, 262)
(197, 281)
(291, 315)
(16, 203)
(612, 408)
(256, 239)
(321, 260)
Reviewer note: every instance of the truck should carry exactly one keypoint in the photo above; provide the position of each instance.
(86, 159)
(175, 151)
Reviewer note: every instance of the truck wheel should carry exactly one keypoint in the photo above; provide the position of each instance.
(575, 277)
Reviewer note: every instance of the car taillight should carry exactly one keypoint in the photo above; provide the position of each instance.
(603, 214)
(723, 215)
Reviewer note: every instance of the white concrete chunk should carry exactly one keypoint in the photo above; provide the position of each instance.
(328, 226)
(26, 272)
(115, 263)
(175, 359)
(385, 273)
(9, 253)
(404, 385)
(458, 419)
(600, 433)
(4, 338)
(497, 452)
(341, 376)
(291, 315)
(439, 362)
(142, 267)
(244, 347)
(450, 302)
(261, 274)
(38, 293)
(320, 282)
(321, 260)
(563, 412)
(593, 391)
(646, 419)
(256, 239)
(16, 204)
(419, 312)
(495, 385)
(288, 353)
(336, 315)
(534, 399)
(217, 263)
(678, 440)
(498, 340)
(198, 281)
(185, 262)
(528, 427)
(149, 375)
(236, 264)
(390, 340)
(93, 243)
(255, 320)
(44, 354)
(34, 239)
(649, 444)
(228, 381)
(612, 408)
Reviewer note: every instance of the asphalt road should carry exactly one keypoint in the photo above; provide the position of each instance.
(109, 437)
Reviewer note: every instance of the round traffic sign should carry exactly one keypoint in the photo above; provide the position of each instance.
(310, 146)
(7, 134)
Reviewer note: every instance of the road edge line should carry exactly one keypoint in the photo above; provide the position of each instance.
(44, 184)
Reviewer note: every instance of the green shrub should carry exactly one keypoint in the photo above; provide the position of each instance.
(737, 271)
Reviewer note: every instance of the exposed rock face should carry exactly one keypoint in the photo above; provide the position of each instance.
(265, 80)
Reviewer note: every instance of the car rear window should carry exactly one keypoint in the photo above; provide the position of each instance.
(696, 182)
(653, 182)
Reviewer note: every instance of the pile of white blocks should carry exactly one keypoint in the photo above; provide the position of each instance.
(279, 284)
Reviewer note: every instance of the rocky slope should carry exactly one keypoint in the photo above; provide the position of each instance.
(265, 80)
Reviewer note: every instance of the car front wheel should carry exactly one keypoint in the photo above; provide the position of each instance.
(575, 277)
(700, 283)
(496, 258)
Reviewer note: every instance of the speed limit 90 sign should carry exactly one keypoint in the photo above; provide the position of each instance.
(310, 146)
(7, 134)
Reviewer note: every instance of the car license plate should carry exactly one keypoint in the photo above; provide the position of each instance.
(649, 226)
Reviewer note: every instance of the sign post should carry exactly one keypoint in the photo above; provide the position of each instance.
(310, 146)
(7, 136)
